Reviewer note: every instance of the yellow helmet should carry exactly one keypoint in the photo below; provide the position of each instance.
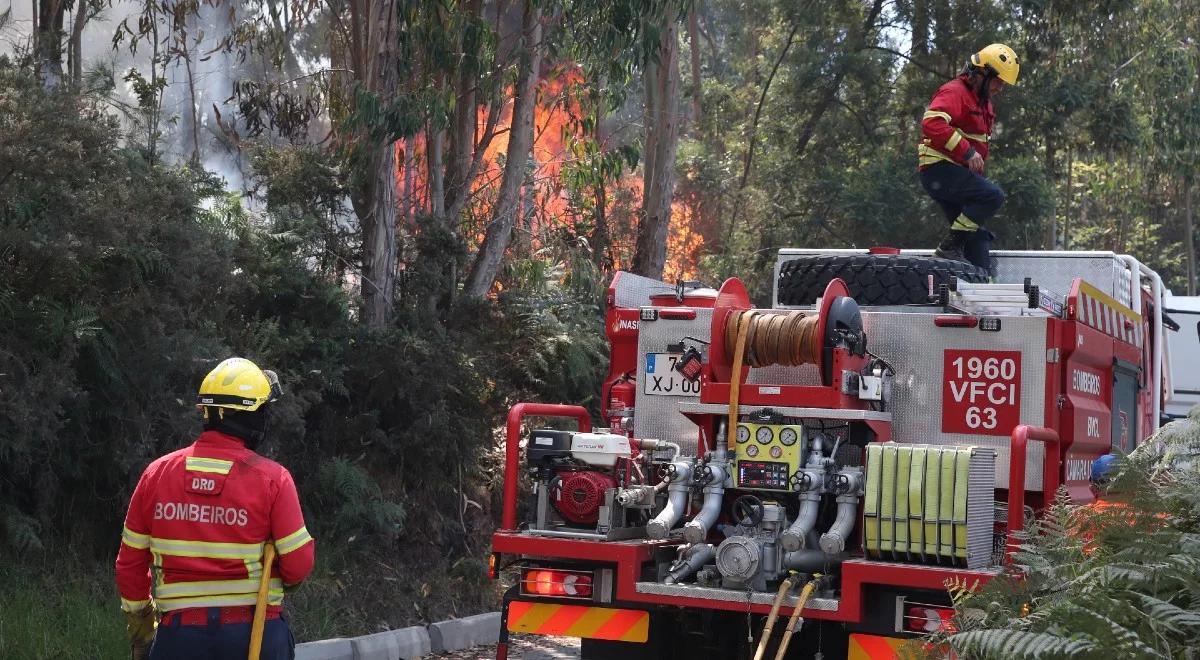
(1001, 59)
(238, 384)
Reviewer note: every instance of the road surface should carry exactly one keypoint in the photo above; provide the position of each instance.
(524, 647)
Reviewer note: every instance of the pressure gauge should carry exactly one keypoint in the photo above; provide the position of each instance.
(764, 435)
(788, 437)
(752, 451)
(776, 451)
(743, 433)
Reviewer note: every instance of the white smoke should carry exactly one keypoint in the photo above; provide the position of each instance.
(212, 73)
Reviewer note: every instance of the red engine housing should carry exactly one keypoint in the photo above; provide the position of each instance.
(580, 494)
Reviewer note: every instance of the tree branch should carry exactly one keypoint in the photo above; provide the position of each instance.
(915, 63)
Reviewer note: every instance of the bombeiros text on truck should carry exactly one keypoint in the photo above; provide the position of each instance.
(806, 478)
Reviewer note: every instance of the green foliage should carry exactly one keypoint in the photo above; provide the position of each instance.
(834, 121)
(21, 532)
(70, 590)
(354, 504)
(1120, 580)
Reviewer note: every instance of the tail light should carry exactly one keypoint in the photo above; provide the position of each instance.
(926, 619)
(492, 573)
(955, 321)
(557, 583)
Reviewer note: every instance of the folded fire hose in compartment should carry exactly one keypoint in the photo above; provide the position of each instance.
(930, 504)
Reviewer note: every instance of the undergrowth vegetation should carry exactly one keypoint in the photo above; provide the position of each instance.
(124, 282)
(1115, 579)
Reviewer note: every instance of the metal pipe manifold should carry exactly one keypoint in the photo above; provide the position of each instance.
(692, 560)
(714, 495)
(678, 493)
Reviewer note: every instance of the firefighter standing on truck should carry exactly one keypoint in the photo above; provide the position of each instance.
(192, 546)
(954, 149)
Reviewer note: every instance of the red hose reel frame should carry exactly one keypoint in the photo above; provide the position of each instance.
(733, 297)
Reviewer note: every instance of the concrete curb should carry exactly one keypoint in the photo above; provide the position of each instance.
(464, 633)
(326, 649)
(405, 643)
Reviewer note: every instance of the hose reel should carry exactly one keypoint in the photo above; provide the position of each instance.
(787, 338)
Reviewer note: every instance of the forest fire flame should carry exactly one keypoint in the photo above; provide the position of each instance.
(547, 211)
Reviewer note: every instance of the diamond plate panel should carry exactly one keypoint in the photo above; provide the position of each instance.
(658, 416)
(1102, 270)
(914, 346)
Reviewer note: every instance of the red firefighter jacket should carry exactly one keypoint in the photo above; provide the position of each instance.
(955, 126)
(201, 516)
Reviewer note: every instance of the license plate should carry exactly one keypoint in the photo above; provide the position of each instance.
(663, 380)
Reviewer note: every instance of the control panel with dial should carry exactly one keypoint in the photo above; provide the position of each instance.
(767, 455)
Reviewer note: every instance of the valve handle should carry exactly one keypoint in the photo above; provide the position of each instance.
(748, 511)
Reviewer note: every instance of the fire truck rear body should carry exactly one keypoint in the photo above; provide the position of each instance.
(936, 413)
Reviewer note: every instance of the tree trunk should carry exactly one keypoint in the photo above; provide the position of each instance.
(487, 261)
(466, 115)
(377, 205)
(193, 116)
(1189, 238)
(48, 42)
(694, 43)
(407, 200)
(379, 237)
(1050, 236)
(662, 138)
(920, 30)
(1066, 228)
(600, 239)
(76, 43)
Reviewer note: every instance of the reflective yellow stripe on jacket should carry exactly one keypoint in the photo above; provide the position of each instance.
(217, 593)
(927, 155)
(178, 548)
(212, 593)
(293, 541)
(213, 465)
(135, 540)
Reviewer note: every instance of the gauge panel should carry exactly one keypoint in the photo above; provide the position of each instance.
(782, 444)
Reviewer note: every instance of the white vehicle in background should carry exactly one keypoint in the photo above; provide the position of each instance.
(1183, 355)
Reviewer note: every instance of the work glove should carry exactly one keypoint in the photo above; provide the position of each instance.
(139, 627)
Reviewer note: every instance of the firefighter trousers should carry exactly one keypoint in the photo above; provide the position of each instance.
(959, 191)
(217, 641)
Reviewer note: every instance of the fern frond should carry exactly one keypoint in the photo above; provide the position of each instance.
(1020, 644)
(1169, 614)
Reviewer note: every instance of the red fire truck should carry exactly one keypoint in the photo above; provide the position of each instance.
(802, 480)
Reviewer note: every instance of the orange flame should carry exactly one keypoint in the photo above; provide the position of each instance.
(545, 210)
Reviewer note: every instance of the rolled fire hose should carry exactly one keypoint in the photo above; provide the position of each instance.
(260, 607)
(791, 626)
(784, 587)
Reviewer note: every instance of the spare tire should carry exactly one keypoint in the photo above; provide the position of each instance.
(873, 279)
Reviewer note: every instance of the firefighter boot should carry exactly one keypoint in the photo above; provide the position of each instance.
(952, 245)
